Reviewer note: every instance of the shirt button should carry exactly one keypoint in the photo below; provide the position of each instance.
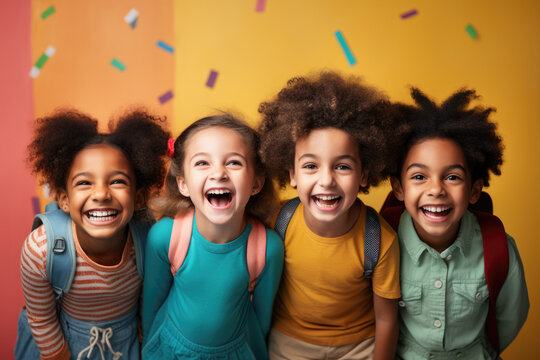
(437, 323)
(449, 257)
(401, 303)
(438, 284)
(478, 296)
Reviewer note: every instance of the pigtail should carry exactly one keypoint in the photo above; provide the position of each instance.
(56, 141)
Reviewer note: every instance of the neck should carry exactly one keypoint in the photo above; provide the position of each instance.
(220, 233)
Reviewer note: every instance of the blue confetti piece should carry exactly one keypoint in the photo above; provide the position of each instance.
(345, 47)
(165, 47)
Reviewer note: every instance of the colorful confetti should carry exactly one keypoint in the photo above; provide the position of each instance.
(117, 64)
(35, 205)
(47, 12)
(409, 14)
(259, 7)
(211, 79)
(166, 97)
(165, 47)
(345, 47)
(471, 31)
(131, 17)
(36, 69)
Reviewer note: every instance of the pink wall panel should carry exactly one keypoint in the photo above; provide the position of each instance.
(16, 183)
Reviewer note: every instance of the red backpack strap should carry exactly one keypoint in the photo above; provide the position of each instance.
(256, 252)
(391, 210)
(180, 239)
(495, 267)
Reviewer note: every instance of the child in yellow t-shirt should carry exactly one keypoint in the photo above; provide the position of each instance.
(327, 135)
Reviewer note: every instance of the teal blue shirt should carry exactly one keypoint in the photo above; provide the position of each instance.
(445, 301)
(208, 299)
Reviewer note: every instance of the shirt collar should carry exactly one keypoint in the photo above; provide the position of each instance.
(416, 247)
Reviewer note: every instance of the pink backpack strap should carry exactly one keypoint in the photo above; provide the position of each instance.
(180, 239)
(256, 252)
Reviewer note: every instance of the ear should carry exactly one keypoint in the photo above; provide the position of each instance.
(258, 184)
(292, 178)
(476, 191)
(364, 178)
(182, 187)
(397, 188)
(63, 201)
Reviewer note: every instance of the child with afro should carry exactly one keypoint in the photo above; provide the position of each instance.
(102, 182)
(327, 135)
(444, 159)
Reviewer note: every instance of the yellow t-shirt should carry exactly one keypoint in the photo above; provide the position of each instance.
(324, 298)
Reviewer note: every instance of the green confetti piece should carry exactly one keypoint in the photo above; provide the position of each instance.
(471, 31)
(117, 64)
(47, 13)
(41, 61)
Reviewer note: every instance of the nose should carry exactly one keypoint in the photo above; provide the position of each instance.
(436, 188)
(101, 192)
(326, 177)
(219, 173)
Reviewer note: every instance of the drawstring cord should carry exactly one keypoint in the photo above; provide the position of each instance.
(95, 333)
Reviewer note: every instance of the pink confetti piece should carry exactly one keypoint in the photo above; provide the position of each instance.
(260, 5)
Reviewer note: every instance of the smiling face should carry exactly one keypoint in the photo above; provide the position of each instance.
(219, 178)
(436, 188)
(100, 194)
(328, 174)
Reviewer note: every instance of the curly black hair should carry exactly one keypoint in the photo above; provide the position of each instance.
(322, 101)
(261, 206)
(470, 128)
(58, 138)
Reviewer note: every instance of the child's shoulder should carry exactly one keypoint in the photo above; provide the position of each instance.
(161, 230)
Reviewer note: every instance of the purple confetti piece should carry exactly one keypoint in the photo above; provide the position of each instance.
(211, 79)
(166, 97)
(260, 5)
(35, 205)
(408, 14)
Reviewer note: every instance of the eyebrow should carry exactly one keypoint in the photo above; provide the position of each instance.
(341, 157)
(227, 155)
(86, 173)
(451, 167)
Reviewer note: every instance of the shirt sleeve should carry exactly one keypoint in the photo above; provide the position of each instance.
(158, 277)
(385, 280)
(513, 301)
(268, 283)
(39, 297)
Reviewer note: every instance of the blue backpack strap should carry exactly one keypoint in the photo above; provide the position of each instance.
(61, 258)
(285, 215)
(372, 241)
(139, 231)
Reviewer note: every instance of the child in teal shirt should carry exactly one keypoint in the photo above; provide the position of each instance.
(443, 161)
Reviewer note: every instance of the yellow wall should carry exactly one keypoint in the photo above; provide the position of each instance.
(256, 52)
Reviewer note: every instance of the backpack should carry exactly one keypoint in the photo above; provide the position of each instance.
(181, 238)
(495, 251)
(372, 237)
(61, 263)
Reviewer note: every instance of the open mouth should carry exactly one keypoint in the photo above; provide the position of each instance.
(326, 201)
(101, 216)
(219, 198)
(436, 212)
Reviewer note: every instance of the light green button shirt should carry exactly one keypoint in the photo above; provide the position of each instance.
(444, 301)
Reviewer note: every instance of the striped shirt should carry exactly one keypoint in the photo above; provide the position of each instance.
(98, 292)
